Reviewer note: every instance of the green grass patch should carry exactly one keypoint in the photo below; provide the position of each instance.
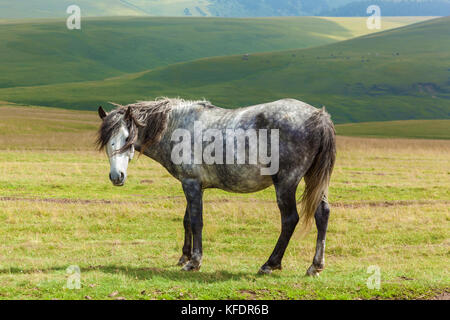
(419, 129)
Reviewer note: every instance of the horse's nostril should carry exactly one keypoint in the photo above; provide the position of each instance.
(121, 176)
(110, 177)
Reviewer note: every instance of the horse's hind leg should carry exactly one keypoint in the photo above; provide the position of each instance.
(322, 214)
(194, 194)
(289, 219)
(187, 247)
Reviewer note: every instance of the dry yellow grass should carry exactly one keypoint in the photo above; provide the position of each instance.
(358, 26)
(46, 128)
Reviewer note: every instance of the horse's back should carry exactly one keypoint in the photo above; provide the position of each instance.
(286, 116)
(285, 111)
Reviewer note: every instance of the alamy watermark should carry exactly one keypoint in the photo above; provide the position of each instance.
(374, 21)
(374, 280)
(73, 22)
(227, 146)
(74, 278)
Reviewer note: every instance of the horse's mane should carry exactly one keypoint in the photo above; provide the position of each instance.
(151, 116)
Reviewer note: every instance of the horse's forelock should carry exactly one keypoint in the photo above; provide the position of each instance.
(152, 116)
(110, 125)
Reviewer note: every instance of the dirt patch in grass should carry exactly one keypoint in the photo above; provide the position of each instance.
(260, 293)
(78, 201)
(442, 296)
(146, 181)
(400, 203)
(62, 201)
(352, 205)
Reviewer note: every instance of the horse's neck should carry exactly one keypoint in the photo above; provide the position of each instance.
(151, 151)
(160, 151)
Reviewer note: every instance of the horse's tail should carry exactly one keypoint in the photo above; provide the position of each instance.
(317, 178)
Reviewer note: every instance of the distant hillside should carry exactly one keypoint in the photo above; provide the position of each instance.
(252, 8)
(47, 52)
(220, 8)
(390, 8)
(342, 8)
(43, 52)
(393, 75)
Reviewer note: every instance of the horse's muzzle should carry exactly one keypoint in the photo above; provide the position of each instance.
(117, 178)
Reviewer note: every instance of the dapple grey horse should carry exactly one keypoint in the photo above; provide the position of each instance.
(306, 148)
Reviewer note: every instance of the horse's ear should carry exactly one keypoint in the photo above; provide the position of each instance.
(128, 114)
(102, 113)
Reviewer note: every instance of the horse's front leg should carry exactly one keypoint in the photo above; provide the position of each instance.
(187, 247)
(321, 216)
(194, 193)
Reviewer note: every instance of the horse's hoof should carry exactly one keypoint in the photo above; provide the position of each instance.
(265, 269)
(313, 271)
(191, 266)
(183, 260)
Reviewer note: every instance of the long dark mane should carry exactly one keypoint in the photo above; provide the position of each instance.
(151, 116)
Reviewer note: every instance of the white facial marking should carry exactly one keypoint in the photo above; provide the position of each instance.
(119, 161)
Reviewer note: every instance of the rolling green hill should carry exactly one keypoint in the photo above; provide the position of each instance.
(35, 52)
(392, 8)
(393, 75)
(43, 52)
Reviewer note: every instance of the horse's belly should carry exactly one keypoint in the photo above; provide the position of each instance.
(234, 178)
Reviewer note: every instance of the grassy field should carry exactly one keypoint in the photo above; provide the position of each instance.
(398, 74)
(389, 197)
(420, 129)
(37, 52)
